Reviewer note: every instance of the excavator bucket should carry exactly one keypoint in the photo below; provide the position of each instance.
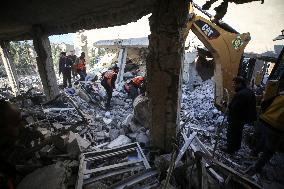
(226, 46)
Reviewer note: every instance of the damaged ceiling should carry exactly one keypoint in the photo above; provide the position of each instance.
(17, 18)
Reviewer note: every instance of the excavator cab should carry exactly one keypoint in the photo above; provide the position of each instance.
(226, 46)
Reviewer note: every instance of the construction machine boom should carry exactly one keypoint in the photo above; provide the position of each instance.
(226, 46)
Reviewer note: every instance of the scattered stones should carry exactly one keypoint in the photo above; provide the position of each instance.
(143, 139)
(50, 177)
(119, 141)
(141, 109)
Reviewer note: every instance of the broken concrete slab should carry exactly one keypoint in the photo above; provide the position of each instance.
(119, 141)
(114, 133)
(49, 177)
(141, 109)
(143, 139)
(127, 120)
(134, 126)
(57, 125)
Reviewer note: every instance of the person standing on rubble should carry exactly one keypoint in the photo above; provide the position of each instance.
(73, 58)
(10, 119)
(80, 66)
(135, 87)
(65, 68)
(68, 64)
(271, 125)
(108, 82)
(62, 59)
(241, 110)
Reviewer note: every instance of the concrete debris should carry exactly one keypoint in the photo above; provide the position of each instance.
(50, 177)
(119, 141)
(114, 133)
(141, 109)
(143, 139)
(76, 144)
(127, 120)
(76, 126)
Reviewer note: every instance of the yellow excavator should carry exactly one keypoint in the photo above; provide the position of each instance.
(226, 46)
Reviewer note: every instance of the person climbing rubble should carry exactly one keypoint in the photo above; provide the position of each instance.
(108, 82)
(80, 67)
(271, 126)
(242, 110)
(10, 119)
(135, 87)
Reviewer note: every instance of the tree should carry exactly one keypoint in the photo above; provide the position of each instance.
(23, 55)
(55, 51)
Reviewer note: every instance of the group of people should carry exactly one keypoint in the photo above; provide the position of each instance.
(270, 124)
(71, 65)
(134, 87)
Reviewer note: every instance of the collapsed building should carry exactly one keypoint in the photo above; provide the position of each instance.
(74, 143)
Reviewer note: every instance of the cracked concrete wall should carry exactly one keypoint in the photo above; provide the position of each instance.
(45, 64)
(164, 68)
(9, 67)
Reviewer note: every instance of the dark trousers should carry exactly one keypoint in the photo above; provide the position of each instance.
(268, 143)
(133, 91)
(82, 75)
(234, 136)
(109, 95)
(67, 78)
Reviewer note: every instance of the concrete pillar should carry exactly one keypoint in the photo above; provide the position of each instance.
(121, 64)
(164, 70)
(45, 63)
(9, 67)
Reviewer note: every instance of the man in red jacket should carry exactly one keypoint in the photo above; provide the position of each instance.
(135, 87)
(108, 82)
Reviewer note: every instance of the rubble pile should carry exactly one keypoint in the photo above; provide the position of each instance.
(198, 108)
(200, 118)
(75, 122)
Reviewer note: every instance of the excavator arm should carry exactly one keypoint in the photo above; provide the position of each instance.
(226, 47)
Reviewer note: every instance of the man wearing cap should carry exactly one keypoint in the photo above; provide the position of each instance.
(242, 110)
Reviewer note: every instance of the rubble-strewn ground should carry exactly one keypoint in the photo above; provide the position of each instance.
(205, 119)
(76, 122)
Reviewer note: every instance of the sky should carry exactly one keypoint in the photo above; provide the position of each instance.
(263, 21)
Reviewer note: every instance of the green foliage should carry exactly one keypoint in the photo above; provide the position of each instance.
(55, 51)
(95, 56)
(23, 54)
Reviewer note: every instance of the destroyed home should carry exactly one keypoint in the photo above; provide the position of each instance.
(192, 102)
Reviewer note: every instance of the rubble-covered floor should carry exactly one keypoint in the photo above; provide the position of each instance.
(198, 107)
(58, 131)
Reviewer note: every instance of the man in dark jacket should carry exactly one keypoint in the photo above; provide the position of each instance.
(73, 58)
(65, 67)
(271, 126)
(108, 82)
(242, 110)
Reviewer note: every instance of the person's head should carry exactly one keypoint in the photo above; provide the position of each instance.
(63, 54)
(10, 119)
(72, 52)
(115, 68)
(82, 55)
(239, 82)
